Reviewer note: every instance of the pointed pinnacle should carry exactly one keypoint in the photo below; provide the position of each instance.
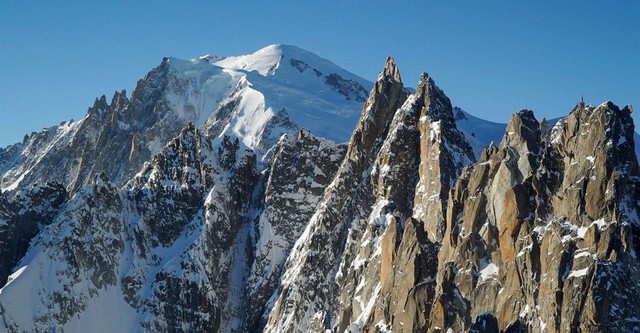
(391, 70)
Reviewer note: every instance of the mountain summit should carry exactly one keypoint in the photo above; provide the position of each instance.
(255, 97)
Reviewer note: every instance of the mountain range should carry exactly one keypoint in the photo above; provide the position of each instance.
(279, 192)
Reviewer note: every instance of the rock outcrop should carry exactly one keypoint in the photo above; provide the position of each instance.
(539, 227)
(302, 168)
(22, 218)
(306, 298)
(356, 237)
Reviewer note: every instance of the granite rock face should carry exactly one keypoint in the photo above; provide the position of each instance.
(539, 227)
(306, 298)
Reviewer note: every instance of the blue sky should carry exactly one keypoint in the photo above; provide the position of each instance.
(490, 57)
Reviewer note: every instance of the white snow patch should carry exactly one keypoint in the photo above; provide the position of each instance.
(584, 253)
(434, 131)
(488, 270)
(524, 250)
(579, 273)
(15, 275)
(15, 184)
(382, 327)
(543, 325)
(540, 230)
(602, 225)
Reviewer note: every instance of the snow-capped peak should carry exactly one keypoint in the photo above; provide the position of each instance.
(264, 61)
(316, 93)
(286, 60)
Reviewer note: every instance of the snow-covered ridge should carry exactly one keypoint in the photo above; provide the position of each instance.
(316, 93)
(273, 58)
(255, 97)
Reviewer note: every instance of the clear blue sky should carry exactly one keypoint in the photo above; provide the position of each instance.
(491, 57)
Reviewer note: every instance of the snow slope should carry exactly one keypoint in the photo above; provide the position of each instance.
(317, 94)
(479, 132)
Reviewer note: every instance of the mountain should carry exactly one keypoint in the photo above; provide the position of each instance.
(529, 238)
(256, 97)
(216, 198)
(403, 157)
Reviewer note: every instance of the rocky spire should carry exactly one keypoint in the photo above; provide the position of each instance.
(390, 70)
(304, 304)
(444, 151)
(421, 157)
(435, 104)
(119, 99)
(385, 98)
(99, 105)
